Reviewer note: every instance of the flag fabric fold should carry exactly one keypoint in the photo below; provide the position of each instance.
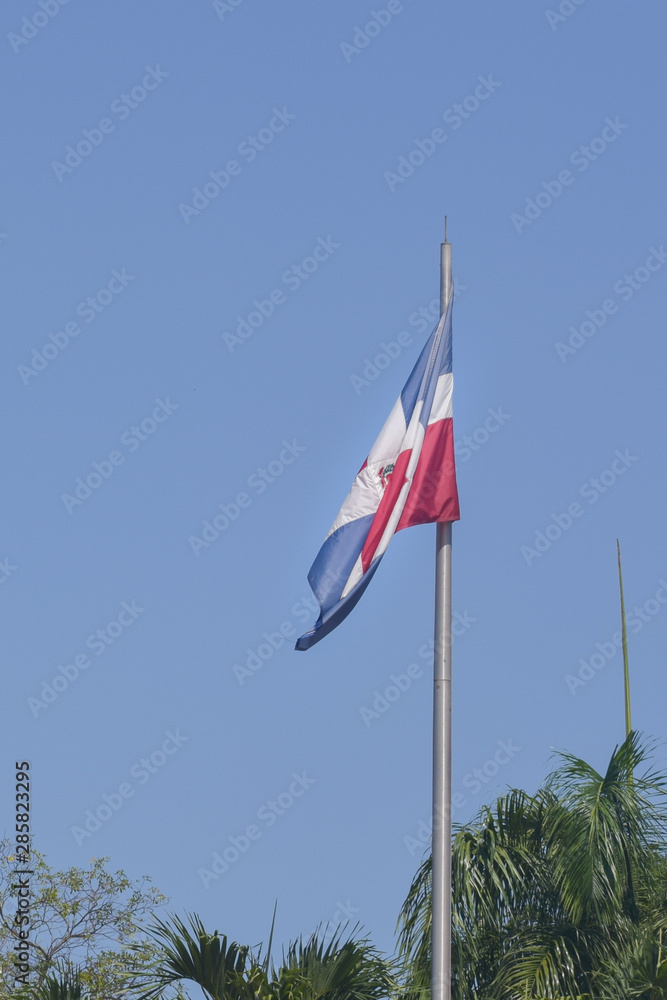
(408, 478)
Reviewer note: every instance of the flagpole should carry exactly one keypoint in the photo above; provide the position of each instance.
(441, 928)
(624, 640)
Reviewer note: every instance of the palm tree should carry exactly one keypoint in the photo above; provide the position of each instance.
(62, 985)
(310, 969)
(55, 988)
(191, 954)
(562, 894)
(640, 969)
(65, 982)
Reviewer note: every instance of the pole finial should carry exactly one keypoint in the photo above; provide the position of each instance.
(446, 240)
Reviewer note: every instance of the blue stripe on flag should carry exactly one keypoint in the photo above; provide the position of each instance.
(328, 620)
(335, 561)
(412, 388)
(442, 364)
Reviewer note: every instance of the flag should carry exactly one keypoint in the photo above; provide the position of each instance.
(408, 478)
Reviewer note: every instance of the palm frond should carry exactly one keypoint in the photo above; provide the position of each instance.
(190, 953)
(548, 890)
(63, 984)
(335, 969)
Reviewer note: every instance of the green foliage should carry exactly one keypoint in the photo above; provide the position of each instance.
(194, 955)
(85, 918)
(67, 986)
(310, 970)
(339, 970)
(559, 894)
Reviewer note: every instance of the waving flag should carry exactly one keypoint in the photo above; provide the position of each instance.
(408, 478)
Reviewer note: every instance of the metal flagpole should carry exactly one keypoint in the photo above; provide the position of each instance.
(441, 929)
(624, 640)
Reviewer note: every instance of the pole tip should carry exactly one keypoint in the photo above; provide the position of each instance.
(446, 240)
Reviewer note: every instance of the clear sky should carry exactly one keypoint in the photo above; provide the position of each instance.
(213, 219)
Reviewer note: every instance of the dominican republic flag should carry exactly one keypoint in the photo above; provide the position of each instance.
(408, 478)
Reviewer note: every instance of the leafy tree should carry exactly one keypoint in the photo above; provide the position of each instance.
(81, 917)
(562, 894)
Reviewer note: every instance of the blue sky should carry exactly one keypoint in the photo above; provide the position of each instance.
(127, 357)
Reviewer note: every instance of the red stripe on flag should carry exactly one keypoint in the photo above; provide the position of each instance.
(395, 483)
(433, 494)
